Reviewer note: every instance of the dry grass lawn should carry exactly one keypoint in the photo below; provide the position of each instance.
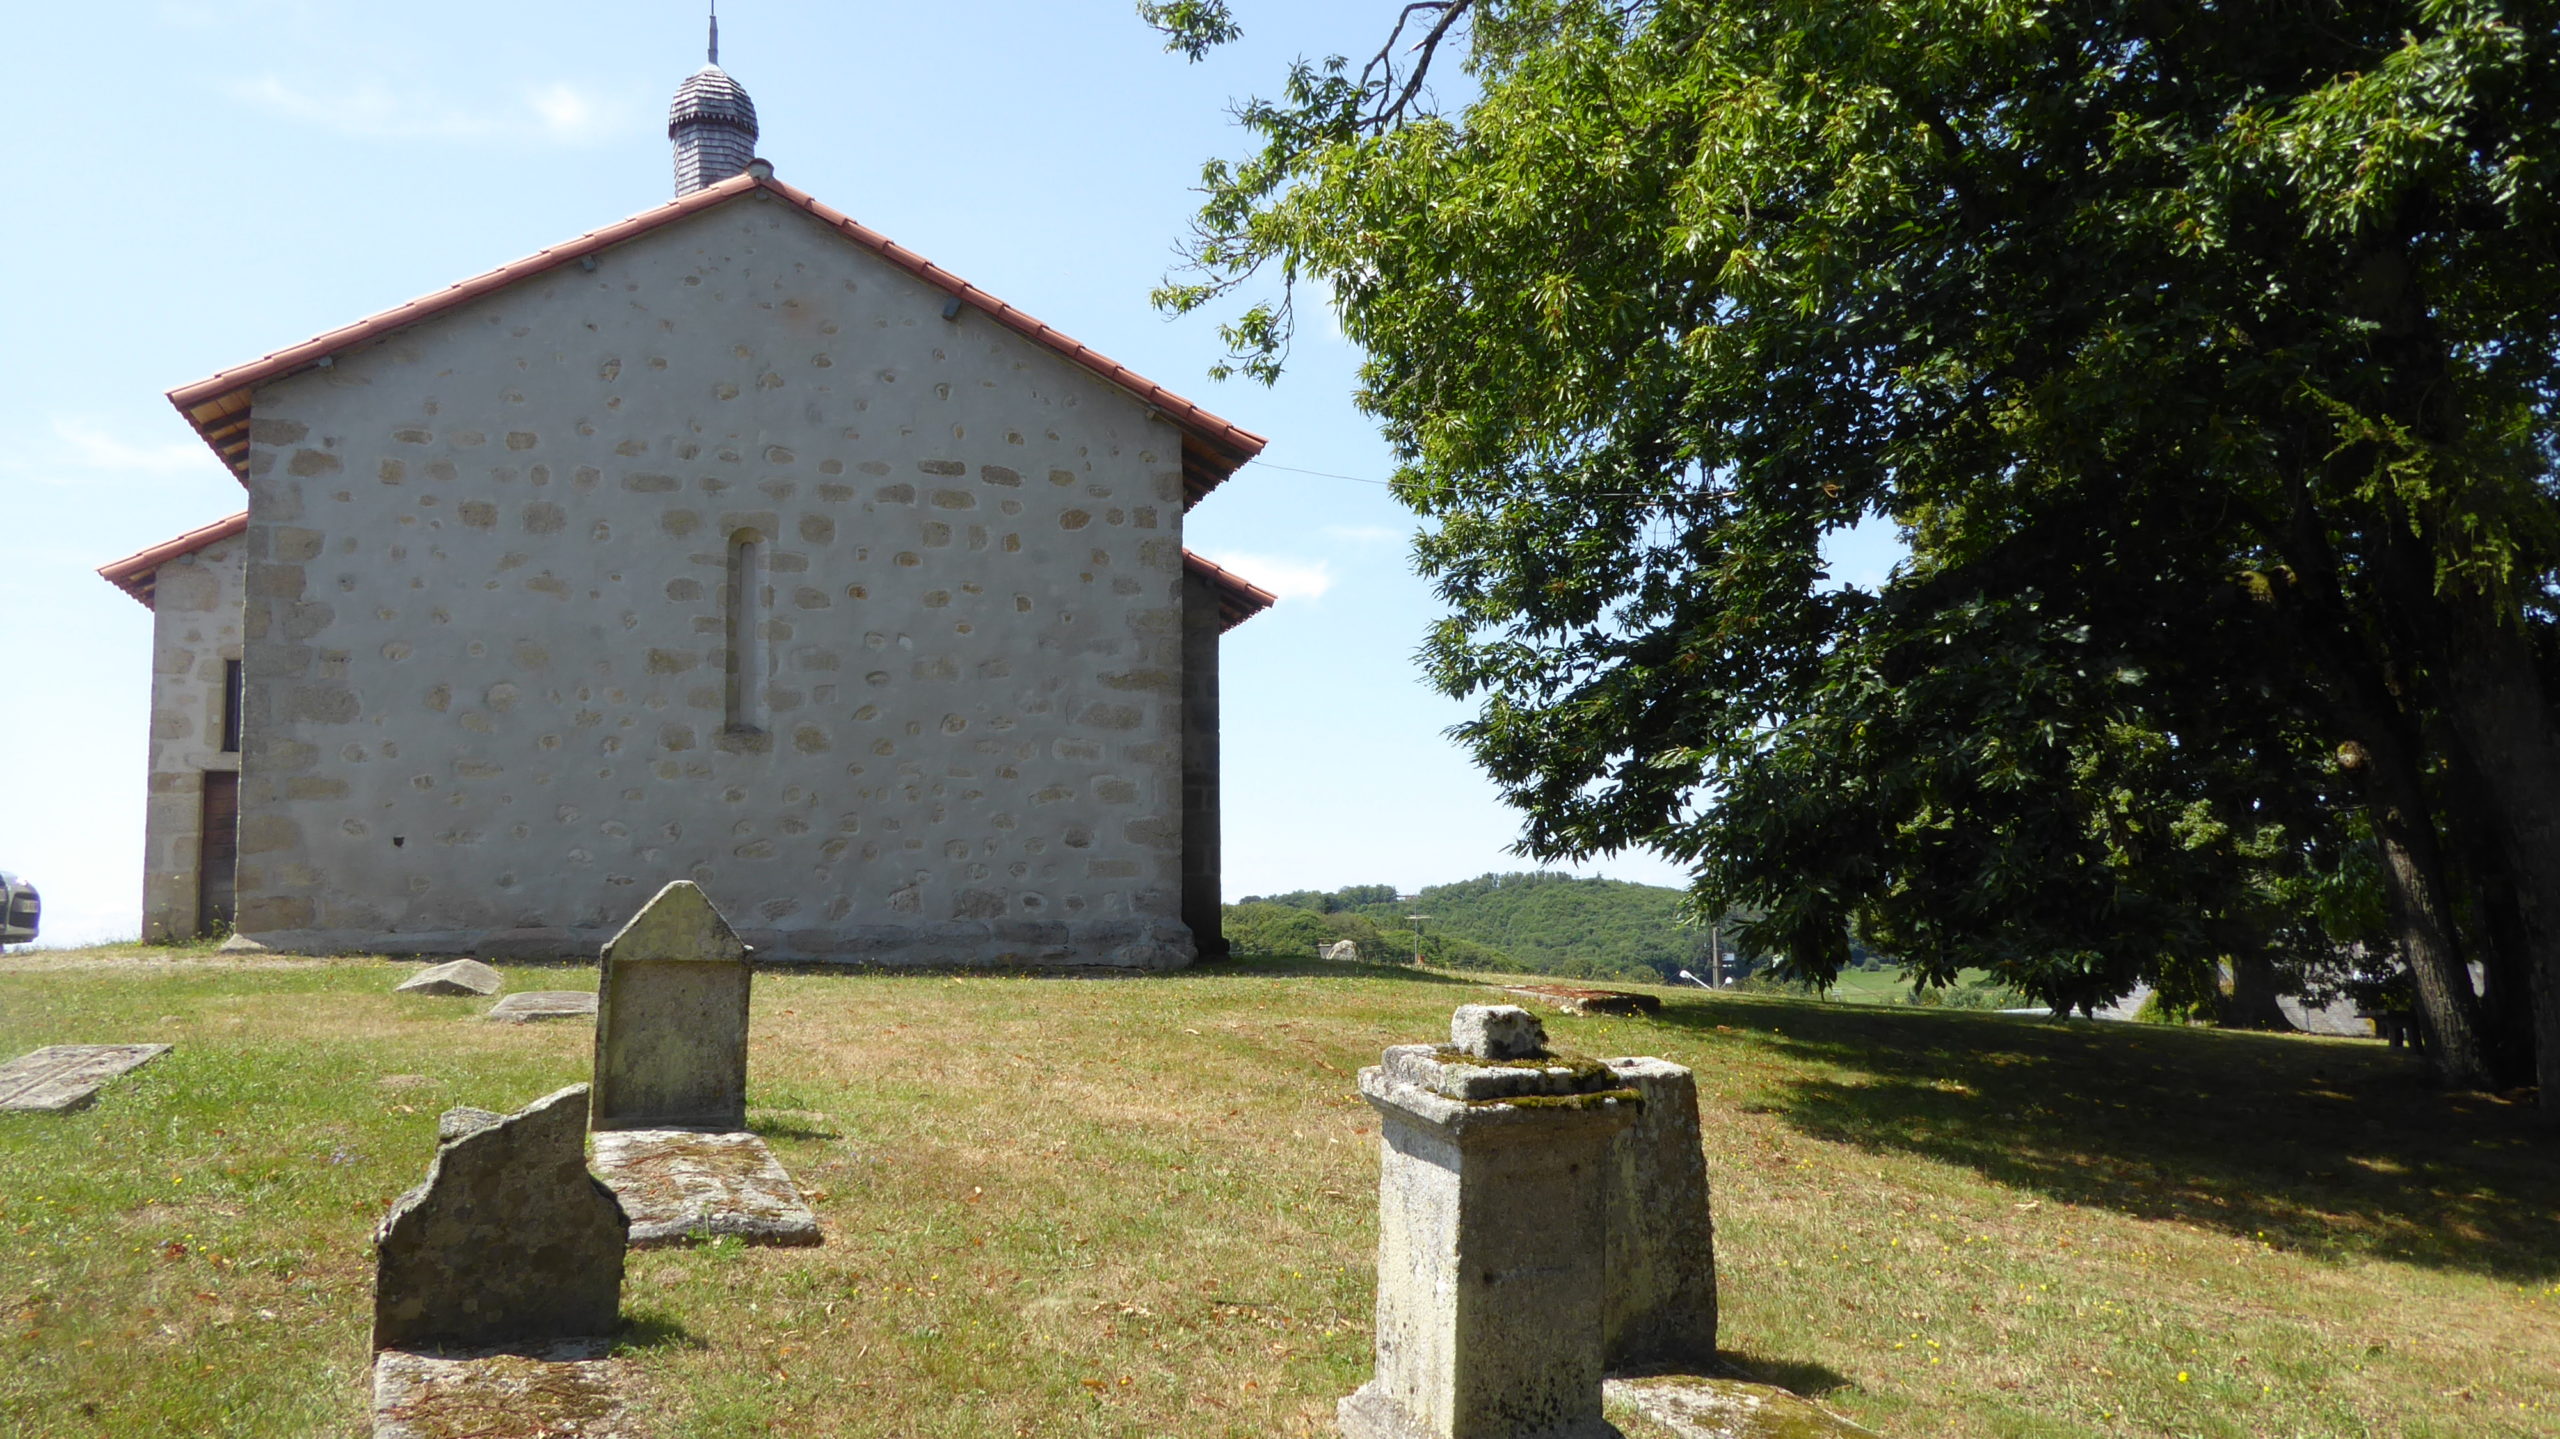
(1146, 1208)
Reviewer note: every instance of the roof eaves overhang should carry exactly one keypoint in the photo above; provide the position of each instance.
(139, 574)
(218, 406)
(1239, 599)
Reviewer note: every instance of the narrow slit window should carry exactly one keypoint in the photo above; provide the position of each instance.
(230, 706)
(745, 602)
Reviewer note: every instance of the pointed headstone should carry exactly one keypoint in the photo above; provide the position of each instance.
(671, 1019)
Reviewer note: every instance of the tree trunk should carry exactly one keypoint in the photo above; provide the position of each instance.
(2501, 942)
(2252, 1001)
(2494, 702)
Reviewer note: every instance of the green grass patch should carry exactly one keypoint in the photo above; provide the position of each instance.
(1147, 1207)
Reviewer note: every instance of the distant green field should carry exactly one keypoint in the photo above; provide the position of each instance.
(1885, 986)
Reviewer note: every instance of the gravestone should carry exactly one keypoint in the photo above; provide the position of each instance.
(509, 1240)
(1492, 1156)
(670, 1109)
(536, 1005)
(1347, 951)
(459, 976)
(63, 1077)
(1660, 1256)
(671, 1019)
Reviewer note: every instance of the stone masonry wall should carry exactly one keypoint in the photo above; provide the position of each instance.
(489, 607)
(195, 627)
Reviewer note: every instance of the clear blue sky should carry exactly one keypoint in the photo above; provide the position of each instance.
(198, 182)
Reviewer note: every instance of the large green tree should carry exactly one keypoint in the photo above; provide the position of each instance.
(2204, 353)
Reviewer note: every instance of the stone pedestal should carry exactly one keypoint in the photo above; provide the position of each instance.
(671, 1019)
(1490, 1272)
(1661, 1256)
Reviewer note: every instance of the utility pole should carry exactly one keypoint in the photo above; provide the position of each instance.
(1417, 935)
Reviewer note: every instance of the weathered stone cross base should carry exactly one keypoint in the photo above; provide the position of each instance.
(63, 1077)
(1688, 1406)
(683, 1186)
(563, 1388)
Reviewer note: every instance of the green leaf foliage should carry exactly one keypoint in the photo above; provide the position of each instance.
(2206, 357)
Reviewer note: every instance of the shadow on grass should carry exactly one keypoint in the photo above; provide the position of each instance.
(646, 1329)
(1797, 1376)
(2333, 1147)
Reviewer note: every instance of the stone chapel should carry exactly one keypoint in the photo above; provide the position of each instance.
(731, 543)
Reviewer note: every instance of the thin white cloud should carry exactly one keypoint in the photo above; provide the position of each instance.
(559, 113)
(1290, 579)
(84, 451)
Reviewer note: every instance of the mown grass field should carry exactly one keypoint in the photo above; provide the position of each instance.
(1146, 1208)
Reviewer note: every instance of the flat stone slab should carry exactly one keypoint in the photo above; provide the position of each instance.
(1573, 999)
(535, 1005)
(681, 1186)
(564, 1388)
(460, 976)
(60, 1078)
(1690, 1406)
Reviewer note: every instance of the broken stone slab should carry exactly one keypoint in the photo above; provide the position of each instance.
(682, 1186)
(1344, 950)
(60, 1078)
(1694, 1407)
(460, 976)
(1497, 1031)
(1660, 1250)
(535, 1005)
(671, 1022)
(462, 1119)
(1573, 999)
(563, 1388)
(508, 1241)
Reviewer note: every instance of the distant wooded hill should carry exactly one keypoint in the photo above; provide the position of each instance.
(1532, 923)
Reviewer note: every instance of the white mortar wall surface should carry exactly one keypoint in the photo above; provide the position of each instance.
(486, 634)
(195, 626)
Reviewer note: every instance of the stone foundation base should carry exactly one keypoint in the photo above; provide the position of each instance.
(1121, 946)
(563, 1387)
(681, 1186)
(1369, 1413)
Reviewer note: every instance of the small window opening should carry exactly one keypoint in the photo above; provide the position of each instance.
(745, 599)
(230, 706)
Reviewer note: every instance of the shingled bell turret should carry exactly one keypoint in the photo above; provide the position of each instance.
(712, 123)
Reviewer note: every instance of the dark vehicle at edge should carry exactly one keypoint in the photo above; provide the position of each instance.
(20, 910)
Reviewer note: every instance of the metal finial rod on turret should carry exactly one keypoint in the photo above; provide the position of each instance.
(715, 32)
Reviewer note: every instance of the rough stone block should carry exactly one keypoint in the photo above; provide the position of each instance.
(1574, 999)
(671, 1025)
(1497, 1031)
(63, 1077)
(681, 1186)
(509, 1240)
(460, 976)
(1661, 1258)
(534, 1005)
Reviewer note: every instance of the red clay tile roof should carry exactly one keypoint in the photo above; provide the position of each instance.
(218, 405)
(138, 575)
(1239, 599)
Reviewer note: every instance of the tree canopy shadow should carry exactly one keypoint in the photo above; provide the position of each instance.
(2326, 1146)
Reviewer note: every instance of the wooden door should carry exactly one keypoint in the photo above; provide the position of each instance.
(218, 851)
